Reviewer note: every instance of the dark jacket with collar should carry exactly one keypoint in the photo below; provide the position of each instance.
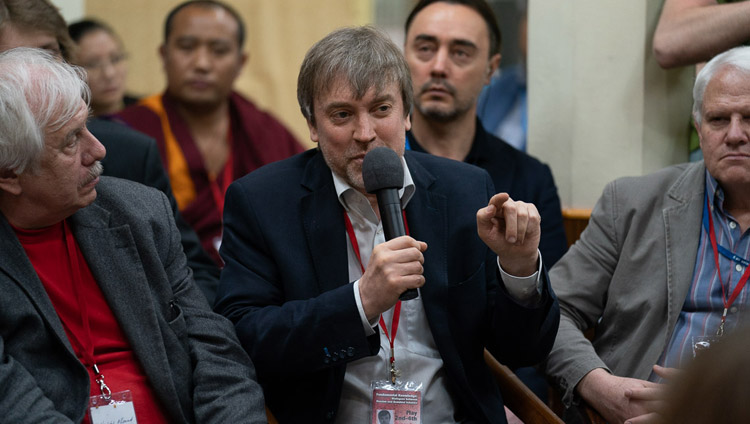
(190, 355)
(286, 286)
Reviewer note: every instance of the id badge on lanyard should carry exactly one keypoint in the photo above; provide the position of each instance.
(393, 400)
(106, 407)
(110, 408)
(703, 343)
(399, 402)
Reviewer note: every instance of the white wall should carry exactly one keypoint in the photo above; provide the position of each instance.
(599, 105)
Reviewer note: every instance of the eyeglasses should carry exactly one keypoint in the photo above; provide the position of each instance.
(99, 65)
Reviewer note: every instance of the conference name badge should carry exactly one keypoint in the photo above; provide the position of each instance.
(396, 403)
(114, 408)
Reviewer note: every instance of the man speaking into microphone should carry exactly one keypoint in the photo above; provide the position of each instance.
(313, 287)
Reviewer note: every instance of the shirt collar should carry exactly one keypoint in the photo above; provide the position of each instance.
(714, 192)
(348, 196)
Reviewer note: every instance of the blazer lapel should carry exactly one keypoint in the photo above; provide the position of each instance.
(323, 220)
(426, 218)
(682, 223)
(16, 265)
(116, 265)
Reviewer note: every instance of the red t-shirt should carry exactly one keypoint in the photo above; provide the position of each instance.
(48, 252)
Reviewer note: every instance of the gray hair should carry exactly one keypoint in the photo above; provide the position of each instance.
(363, 56)
(738, 58)
(38, 95)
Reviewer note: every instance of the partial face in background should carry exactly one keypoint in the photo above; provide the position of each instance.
(202, 57)
(68, 171)
(725, 128)
(12, 36)
(102, 55)
(447, 49)
(346, 128)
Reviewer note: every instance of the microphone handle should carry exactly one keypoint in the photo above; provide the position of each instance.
(393, 224)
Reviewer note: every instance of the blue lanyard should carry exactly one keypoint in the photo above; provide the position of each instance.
(723, 250)
(407, 145)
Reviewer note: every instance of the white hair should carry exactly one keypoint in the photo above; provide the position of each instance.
(737, 58)
(38, 95)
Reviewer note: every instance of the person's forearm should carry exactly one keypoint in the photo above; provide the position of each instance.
(693, 31)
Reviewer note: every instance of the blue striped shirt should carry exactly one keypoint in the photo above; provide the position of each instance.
(703, 307)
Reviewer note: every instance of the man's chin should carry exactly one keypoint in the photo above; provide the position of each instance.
(438, 113)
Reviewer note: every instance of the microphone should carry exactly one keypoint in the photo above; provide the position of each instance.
(383, 176)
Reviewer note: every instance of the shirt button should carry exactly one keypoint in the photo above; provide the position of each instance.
(733, 309)
(379, 232)
(738, 267)
(732, 225)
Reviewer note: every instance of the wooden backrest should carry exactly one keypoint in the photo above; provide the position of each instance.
(519, 398)
(574, 222)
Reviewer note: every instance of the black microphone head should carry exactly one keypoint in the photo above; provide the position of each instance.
(381, 169)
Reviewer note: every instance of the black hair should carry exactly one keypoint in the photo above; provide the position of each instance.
(206, 4)
(78, 30)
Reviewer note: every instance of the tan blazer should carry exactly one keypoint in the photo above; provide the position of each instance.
(627, 276)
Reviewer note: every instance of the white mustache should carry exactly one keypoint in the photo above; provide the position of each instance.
(94, 172)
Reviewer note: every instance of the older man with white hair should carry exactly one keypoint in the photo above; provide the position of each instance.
(99, 307)
(661, 269)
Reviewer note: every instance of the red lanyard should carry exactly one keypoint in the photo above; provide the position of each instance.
(84, 342)
(397, 308)
(740, 284)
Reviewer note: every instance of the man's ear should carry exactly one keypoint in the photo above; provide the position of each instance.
(698, 130)
(9, 182)
(492, 67)
(313, 130)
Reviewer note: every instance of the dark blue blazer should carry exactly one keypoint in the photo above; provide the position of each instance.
(286, 286)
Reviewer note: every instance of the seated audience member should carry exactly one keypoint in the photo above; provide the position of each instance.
(101, 52)
(97, 297)
(663, 261)
(313, 287)
(715, 387)
(453, 48)
(208, 134)
(132, 155)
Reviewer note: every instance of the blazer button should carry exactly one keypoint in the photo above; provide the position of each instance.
(343, 353)
(327, 360)
(350, 352)
(329, 415)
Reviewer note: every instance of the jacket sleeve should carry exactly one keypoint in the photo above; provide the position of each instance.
(522, 335)
(581, 280)
(225, 388)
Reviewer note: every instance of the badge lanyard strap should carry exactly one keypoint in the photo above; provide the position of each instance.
(740, 284)
(85, 346)
(397, 308)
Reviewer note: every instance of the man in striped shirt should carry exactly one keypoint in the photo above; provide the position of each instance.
(660, 270)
